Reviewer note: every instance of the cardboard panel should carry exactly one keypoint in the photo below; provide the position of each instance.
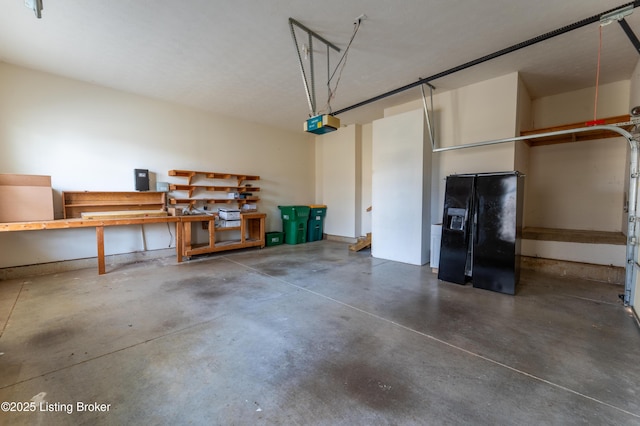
(25, 198)
(25, 180)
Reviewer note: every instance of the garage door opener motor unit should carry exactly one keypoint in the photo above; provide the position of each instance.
(321, 124)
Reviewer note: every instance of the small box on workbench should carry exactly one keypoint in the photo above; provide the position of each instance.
(229, 214)
(229, 223)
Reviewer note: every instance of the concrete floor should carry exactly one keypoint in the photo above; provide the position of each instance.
(313, 334)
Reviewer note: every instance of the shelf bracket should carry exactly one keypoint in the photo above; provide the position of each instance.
(630, 34)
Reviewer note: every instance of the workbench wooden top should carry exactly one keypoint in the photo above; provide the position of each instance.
(82, 223)
(88, 223)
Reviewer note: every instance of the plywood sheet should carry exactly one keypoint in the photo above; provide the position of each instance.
(124, 214)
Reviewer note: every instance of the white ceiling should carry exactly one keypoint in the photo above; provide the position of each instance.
(237, 58)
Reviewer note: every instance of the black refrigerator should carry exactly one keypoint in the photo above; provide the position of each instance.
(481, 228)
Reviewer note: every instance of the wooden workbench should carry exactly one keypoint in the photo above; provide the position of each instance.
(252, 230)
(99, 224)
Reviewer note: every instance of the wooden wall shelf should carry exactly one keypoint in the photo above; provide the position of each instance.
(574, 236)
(576, 137)
(190, 174)
(194, 201)
(75, 203)
(214, 188)
(239, 186)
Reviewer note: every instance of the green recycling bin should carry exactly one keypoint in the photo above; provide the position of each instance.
(316, 221)
(294, 223)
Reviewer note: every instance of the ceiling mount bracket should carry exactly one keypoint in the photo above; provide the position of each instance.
(309, 84)
(616, 15)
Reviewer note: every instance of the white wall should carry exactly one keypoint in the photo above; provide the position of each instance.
(475, 113)
(401, 187)
(578, 105)
(524, 117)
(87, 137)
(562, 180)
(595, 254)
(524, 121)
(575, 186)
(367, 147)
(578, 185)
(478, 112)
(338, 177)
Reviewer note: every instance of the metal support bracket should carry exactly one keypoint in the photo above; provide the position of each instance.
(630, 34)
(431, 127)
(619, 15)
(309, 85)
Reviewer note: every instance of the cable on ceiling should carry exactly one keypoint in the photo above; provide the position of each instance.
(343, 61)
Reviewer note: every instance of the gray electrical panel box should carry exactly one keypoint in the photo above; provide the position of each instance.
(162, 186)
(142, 179)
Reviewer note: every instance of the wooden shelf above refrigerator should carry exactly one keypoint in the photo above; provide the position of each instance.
(622, 120)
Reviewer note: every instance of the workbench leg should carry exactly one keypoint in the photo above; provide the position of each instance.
(179, 240)
(261, 237)
(186, 237)
(212, 233)
(100, 240)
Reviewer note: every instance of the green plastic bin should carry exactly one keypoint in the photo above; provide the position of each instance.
(294, 223)
(315, 224)
(273, 238)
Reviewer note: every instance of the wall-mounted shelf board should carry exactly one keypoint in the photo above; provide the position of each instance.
(574, 236)
(190, 174)
(214, 188)
(75, 203)
(577, 137)
(235, 183)
(193, 201)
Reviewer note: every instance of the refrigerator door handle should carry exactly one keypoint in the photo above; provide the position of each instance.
(474, 228)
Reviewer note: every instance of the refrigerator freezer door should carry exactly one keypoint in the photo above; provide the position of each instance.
(496, 243)
(455, 228)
